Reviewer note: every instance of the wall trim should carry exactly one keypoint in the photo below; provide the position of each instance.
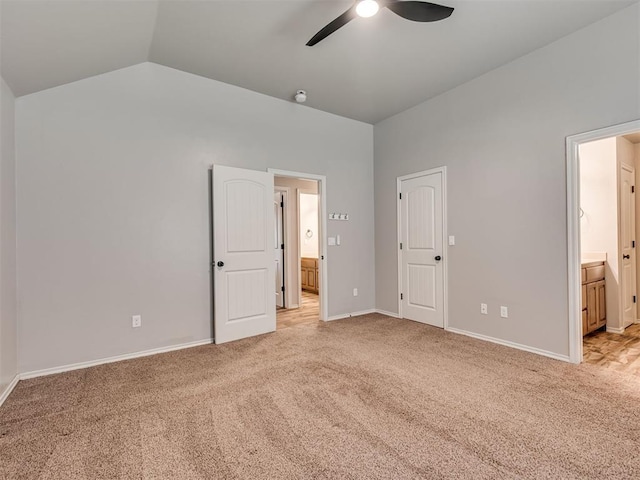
(117, 358)
(7, 391)
(388, 314)
(573, 227)
(352, 314)
(615, 330)
(507, 343)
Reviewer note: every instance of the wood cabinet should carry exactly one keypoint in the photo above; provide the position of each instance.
(309, 274)
(594, 307)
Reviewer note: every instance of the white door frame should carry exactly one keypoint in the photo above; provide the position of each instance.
(322, 243)
(445, 252)
(573, 142)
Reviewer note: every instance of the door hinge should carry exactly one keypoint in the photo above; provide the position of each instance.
(282, 288)
(282, 204)
(633, 189)
(633, 244)
(400, 195)
(401, 296)
(634, 299)
(400, 245)
(282, 246)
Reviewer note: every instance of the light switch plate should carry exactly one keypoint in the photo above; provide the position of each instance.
(331, 241)
(452, 240)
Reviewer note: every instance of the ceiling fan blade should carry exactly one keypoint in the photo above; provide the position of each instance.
(332, 26)
(420, 11)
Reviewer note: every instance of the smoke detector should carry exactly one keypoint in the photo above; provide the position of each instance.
(301, 96)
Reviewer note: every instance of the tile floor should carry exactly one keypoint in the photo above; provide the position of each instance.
(612, 350)
(309, 312)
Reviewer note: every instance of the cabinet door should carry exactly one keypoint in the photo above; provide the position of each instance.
(592, 306)
(584, 323)
(601, 304)
(303, 277)
(311, 279)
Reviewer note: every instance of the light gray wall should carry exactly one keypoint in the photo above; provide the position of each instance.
(502, 138)
(113, 205)
(8, 314)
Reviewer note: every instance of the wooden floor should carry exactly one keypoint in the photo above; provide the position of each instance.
(615, 351)
(309, 312)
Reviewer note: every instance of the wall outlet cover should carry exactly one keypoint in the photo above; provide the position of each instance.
(136, 321)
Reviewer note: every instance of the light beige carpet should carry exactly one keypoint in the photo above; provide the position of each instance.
(368, 397)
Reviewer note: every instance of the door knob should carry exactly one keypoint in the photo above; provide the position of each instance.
(220, 264)
(438, 258)
(626, 256)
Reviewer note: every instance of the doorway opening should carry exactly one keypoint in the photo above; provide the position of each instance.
(300, 266)
(603, 229)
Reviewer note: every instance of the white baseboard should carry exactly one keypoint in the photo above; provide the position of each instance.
(9, 389)
(117, 358)
(506, 343)
(388, 314)
(615, 330)
(352, 314)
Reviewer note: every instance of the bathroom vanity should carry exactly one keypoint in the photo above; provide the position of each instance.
(594, 309)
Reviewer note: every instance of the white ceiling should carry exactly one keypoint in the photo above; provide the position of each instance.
(368, 70)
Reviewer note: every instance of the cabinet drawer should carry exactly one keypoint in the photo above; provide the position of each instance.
(595, 273)
(309, 262)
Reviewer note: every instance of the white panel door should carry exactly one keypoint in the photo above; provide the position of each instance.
(421, 231)
(627, 242)
(244, 269)
(278, 211)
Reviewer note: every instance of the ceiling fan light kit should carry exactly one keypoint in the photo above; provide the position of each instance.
(413, 10)
(367, 8)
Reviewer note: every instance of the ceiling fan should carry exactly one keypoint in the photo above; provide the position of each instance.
(411, 10)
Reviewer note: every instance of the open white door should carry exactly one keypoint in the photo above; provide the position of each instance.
(244, 268)
(278, 210)
(421, 248)
(627, 244)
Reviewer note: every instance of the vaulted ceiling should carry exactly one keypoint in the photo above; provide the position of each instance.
(368, 70)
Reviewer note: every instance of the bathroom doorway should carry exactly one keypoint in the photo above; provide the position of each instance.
(299, 247)
(609, 329)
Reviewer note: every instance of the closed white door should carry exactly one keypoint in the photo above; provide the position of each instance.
(244, 269)
(421, 249)
(278, 210)
(627, 244)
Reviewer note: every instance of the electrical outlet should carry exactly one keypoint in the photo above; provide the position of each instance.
(483, 309)
(136, 321)
(355, 292)
(504, 312)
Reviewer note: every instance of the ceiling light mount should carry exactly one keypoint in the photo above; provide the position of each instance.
(301, 96)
